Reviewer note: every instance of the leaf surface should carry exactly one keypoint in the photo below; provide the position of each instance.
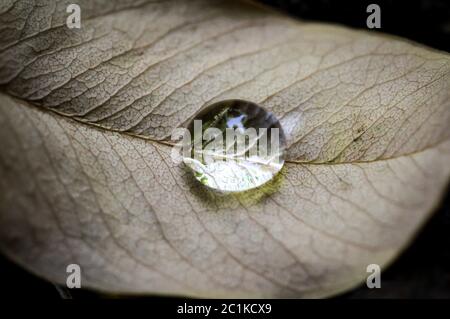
(86, 175)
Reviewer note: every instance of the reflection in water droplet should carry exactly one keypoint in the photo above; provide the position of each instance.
(235, 146)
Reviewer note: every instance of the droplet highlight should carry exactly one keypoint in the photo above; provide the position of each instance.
(234, 146)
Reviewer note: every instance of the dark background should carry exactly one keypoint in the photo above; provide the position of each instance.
(424, 21)
(423, 270)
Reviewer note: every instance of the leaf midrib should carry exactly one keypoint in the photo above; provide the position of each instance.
(168, 144)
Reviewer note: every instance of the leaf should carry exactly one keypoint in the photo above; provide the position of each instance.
(87, 177)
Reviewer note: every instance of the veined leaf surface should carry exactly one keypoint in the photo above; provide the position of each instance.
(86, 175)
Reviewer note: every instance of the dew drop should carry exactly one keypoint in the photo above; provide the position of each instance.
(235, 146)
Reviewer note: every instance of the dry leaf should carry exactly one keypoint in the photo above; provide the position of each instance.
(86, 174)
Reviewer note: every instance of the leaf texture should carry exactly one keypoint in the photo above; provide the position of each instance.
(86, 174)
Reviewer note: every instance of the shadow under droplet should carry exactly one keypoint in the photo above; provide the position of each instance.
(248, 198)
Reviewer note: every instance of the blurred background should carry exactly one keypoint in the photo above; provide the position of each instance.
(423, 270)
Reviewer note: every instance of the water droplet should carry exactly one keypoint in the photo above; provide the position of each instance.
(235, 146)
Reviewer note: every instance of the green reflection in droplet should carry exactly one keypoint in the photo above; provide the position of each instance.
(236, 146)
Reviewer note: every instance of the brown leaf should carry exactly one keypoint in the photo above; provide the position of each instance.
(86, 173)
